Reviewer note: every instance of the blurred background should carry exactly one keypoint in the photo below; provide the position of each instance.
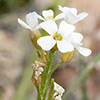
(17, 52)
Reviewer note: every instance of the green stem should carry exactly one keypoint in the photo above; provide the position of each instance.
(45, 79)
(51, 92)
(49, 76)
(56, 67)
(38, 91)
(85, 72)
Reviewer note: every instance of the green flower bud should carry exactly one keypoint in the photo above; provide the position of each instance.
(34, 37)
(66, 57)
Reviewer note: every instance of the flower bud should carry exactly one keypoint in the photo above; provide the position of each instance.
(34, 37)
(66, 57)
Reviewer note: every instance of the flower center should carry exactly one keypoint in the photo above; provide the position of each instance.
(69, 22)
(57, 37)
(49, 17)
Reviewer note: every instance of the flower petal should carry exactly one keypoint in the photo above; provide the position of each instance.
(46, 42)
(84, 51)
(32, 20)
(58, 88)
(64, 46)
(40, 17)
(62, 9)
(49, 26)
(82, 15)
(66, 9)
(76, 38)
(59, 16)
(66, 29)
(71, 18)
(73, 10)
(47, 13)
(23, 24)
(57, 97)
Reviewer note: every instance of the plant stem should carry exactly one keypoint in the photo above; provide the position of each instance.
(51, 92)
(49, 76)
(45, 78)
(38, 91)
(56, 67)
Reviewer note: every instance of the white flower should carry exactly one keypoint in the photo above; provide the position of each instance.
(70, 15)
(59, 36)
(31, 22)
(76, 40)
(38, 69)
(57, 97)
(58, 91)
(49, 14)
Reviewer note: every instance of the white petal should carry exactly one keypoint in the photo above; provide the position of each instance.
(23, 24)
(32, 19)
(59, 16)
(46, 42)
(84, 51)
(40, 17)
(82, 15)
(64, 46)
(66, 29)
(38, 27)
(62, 9)
(58, 97)
(66, 9)
(47, 13)
(49, 26)
(58, 88)
(71, 18)
(76, 38)
(73, 10)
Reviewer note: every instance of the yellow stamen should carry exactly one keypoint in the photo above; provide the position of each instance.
(57, 37)
(50, 17)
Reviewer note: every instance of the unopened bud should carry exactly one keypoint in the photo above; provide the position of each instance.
(34, 37)
(66, 57)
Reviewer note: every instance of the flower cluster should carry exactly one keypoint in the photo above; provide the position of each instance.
(63, 36)
(53, 38)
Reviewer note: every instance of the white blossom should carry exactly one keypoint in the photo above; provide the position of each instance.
(57, 36)
(58, 91)
(31, 22)
(76, 40)
(71, 16)
(49, 14)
